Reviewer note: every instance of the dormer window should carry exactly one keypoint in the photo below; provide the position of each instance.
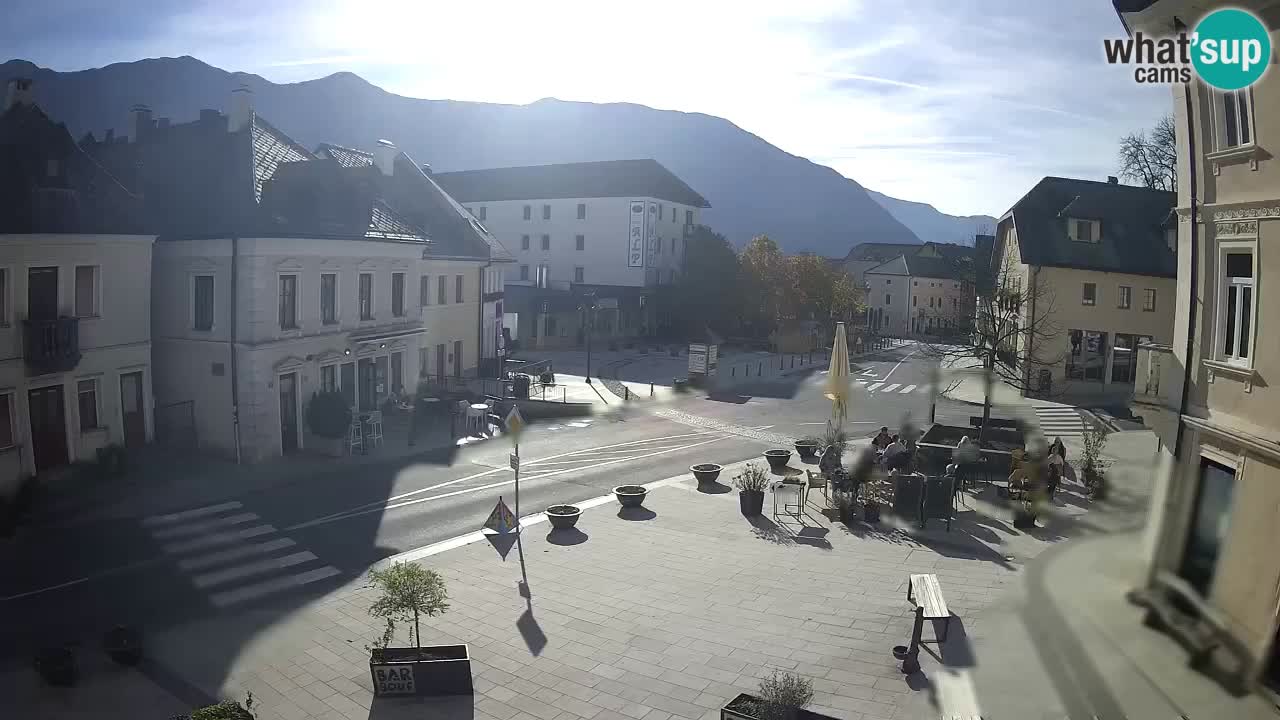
(1087, 231)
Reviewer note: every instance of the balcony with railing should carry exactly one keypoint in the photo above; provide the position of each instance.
(1157, 387)
(51, 345)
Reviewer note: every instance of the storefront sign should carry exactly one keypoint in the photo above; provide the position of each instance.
(651, 235)
(635, 235)
(393, 680)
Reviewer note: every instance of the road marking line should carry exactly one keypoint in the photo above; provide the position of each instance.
(906, 389)
(202, 526)
(188, 514)
(216, 539)
(252, 592)
(895, 367)
(250, 569)
(891, 388)
(872, 387)
(217, 558)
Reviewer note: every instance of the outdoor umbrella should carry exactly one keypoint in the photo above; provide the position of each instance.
(838, 377)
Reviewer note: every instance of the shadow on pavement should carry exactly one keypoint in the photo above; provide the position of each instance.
(450, 707)
(636, 514)
(567, 537)
(714, 488)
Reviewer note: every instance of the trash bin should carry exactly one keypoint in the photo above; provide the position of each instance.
(520, 386)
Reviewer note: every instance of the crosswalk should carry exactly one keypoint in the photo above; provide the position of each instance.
(231, 555)
(1060, 421)
(881, 387)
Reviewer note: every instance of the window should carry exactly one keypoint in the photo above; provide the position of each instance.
(202, 303)
(328, 378)
(546, 212)
(1171, 238)
(915, 300)
(366, 296)
(528, 212)
(1087, 231)
(524, 242)
(397, 372)
(582, 211)
(544, 276)
(915, 283)
(397, 294)
(546, 242)
(1126, 298)
(6, 421)
(442, 290)
(688, 217)
(524, 272)
(1148, 300)
(1237, 126)
(886, 299)
(660, 209)
(484, 213)
(1090, 296)
(673, 246)
(424, 290)
(578, 273)
(1236, 315)
(457, 288)
(4, 297)
(1212, 515)
(328, 298)
(580, 242)
(422, 362)
(86, 291)
(87, 395)
(288, 302)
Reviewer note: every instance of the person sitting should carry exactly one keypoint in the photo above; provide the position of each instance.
(883, 439)
(896, 456)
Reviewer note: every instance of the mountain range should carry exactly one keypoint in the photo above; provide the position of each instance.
(753, 186)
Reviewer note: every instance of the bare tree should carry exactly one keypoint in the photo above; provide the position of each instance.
(1006, 335)
(1151, 159)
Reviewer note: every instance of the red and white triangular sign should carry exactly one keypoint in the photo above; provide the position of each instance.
(501, 520)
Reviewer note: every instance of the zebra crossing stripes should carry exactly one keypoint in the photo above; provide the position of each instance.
(231, 555)
(1060, 421)
(906, 389)
(889, 388)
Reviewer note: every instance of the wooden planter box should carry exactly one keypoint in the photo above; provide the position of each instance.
(742, 708)
(437, 670)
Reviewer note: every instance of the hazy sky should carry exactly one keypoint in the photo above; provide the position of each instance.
(960, 103)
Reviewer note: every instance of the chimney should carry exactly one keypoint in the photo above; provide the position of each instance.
(18, 92)
(139, 122)
(1113, 180)
(384, 156)
(426, 169)
(241, 113)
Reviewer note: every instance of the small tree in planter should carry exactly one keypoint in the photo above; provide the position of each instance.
(329, 417)
(1092, 465)
(782, 696)
(874, 494)
(751, 483)
(409, 592)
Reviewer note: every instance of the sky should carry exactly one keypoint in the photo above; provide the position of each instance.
(963, 104)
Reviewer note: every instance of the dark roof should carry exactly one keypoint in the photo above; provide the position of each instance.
(925, 267)
(346, 157)
(896, 266)
(950, 251)
(1132, 239)
(319, 198)
(881, 251)
(610, 178)
(48, 184)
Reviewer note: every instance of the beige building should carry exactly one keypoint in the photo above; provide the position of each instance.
(1209, 392)
(75, 331)
(281, 273)
(919, 295)
(1095, 265)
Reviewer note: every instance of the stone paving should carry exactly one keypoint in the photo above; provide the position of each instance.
(666, 613)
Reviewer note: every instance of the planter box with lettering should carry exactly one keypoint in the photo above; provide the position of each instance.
(433, 670)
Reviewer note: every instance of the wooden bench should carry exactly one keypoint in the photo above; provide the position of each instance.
(1201, 631)
(925, 593)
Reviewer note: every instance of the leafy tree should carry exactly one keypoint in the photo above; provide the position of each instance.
(1151, 159)
(708, 292)
(408, 592)
(764, 285)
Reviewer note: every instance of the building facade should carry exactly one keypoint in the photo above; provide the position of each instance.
(1209, 392)
(75, 330)
(585, 239)
(919, 295)
(1095, 265)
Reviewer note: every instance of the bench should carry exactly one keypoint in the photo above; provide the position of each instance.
(1201, 630)
(925, 593)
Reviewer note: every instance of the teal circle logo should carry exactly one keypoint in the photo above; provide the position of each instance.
(1230, 49)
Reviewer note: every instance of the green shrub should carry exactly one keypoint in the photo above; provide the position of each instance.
(782, 694)
(409, 591)
(328, 415)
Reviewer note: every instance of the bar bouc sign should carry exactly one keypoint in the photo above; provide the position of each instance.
(1228, 49)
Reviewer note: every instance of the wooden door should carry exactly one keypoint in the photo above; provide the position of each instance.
(132, 409)
(48, 427)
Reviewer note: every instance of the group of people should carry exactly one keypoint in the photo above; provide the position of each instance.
(1026, 475)
(894, 452)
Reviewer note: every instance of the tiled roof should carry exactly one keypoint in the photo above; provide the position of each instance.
(931, 267)
(271, 148)
(896, 266)
(1132, 238)
(610, 178)
(346, 157)
(881, 251)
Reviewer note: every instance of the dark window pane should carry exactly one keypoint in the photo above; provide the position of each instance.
(1230, 348)
(204, 303)
(88, 395)
(1242, 102)
(1229, 119)
(424, 290)
(442, 290)
(1208, 524)
(1240, 265)
(397, 294)
(1246, 303)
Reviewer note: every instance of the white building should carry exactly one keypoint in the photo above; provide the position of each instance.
(281, 272)
(606, 228)
(75, 335)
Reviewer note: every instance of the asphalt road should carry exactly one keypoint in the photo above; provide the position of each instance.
(285, 545)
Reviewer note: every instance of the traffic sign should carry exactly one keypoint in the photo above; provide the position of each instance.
(515, 423)
(515, 461)
(502, 520)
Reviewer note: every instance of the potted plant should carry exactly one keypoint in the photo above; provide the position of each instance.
(630, 496)
(836, 438)
(57, 665)
(751, 483)
(1093, 466)
(706, 473)
(777, 458)
(782, 696)
(123, 645)
(874, 494)
(844, 507)
(225, 710)
(329, 417)
(563, 517)
(410, 591)
(808, 447)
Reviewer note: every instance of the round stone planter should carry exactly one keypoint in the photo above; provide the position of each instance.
(807, 450)
(777, 458)
(706, 473)
(630, 496)
(563, 517)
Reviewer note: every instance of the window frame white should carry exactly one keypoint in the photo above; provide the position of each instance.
(337, 298)
(97, 405)
(424, 290)
(1095, 230)
(1149, 293)
(1249, 247)
(333, 368)
(1125, 299)
(297, 289)
(360, 300)
(397, 298)
(1219, 115)
(95, 292)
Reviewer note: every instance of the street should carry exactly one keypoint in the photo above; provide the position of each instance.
(289, 543)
